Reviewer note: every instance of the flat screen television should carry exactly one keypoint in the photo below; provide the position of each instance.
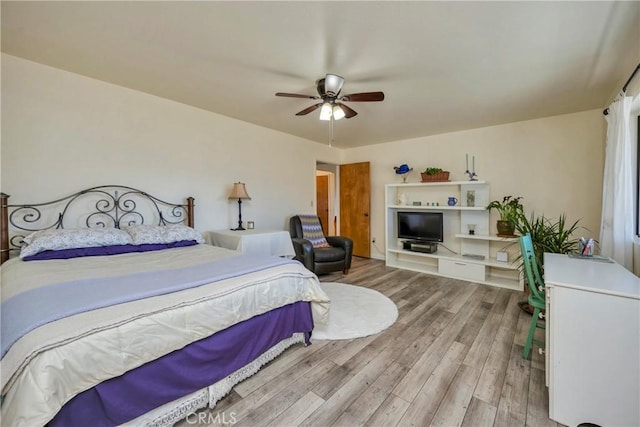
(420, 226)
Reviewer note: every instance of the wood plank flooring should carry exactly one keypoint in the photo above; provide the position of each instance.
(453, 358)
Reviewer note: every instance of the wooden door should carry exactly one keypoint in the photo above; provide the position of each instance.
(355, 203)
(322, 201)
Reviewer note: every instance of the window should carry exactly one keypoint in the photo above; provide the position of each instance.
(637, 132)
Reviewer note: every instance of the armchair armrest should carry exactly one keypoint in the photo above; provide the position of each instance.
(341, 242)
(344, 243)
(304, 252)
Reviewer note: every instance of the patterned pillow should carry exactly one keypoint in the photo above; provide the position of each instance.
(146, 234)
(47, 240)
(312, 231)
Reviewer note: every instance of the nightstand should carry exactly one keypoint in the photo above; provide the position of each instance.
(256, 242)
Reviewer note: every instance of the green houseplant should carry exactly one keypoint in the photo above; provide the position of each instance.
(432, 171)
(510, 210)
(549, 235)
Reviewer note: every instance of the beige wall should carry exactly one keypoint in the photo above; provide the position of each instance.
(555, 163)
(62, 132)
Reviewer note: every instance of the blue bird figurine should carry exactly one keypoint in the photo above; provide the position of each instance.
(403, 170)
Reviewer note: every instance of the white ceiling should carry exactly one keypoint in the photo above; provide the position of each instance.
(443, 66)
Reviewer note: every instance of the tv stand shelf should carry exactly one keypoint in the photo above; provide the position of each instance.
(456, 219)
(438, 208)
(487, 237)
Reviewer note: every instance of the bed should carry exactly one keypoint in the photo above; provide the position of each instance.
(131, 320)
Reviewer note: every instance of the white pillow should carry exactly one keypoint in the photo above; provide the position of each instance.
(58, 239)
(149, 234)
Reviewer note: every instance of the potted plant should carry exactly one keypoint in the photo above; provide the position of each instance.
(547, 235)
(555, 236)
(510, 210)
(434, 175)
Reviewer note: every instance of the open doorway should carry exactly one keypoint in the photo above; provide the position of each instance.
(326, 197)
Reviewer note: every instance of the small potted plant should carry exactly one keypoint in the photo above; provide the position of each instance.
(434, 175)
(510, 211)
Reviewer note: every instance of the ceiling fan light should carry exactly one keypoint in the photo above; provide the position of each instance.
(326, 111)
(338, 113)
(333, 84)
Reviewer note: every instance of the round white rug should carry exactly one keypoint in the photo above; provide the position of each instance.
(355, 312)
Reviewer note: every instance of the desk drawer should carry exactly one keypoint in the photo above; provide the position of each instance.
(462, 270)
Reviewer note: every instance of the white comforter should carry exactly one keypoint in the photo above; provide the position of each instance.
(53, 363)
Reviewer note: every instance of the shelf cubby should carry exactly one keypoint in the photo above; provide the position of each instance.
(457, 239)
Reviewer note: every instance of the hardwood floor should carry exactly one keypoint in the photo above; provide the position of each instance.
(452, 358)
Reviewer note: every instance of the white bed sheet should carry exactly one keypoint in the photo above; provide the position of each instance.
(37, 378)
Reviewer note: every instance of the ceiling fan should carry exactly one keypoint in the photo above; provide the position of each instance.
(332, 106)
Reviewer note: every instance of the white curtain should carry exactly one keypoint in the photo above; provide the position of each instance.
(617, 226)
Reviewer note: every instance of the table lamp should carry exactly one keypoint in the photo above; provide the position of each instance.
(239, 192)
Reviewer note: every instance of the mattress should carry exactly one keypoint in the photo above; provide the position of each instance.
(50, 364)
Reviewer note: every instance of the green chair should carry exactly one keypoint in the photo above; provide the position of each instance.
(536, 294)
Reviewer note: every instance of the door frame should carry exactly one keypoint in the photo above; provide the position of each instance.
(332, 170)
(330, 227)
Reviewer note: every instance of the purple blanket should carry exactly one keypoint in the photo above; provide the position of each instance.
(28, 310)
(184, 371)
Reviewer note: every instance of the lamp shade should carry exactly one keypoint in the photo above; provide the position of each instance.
(239, 191)
(338, 113)
(333, 84)
(326, 111)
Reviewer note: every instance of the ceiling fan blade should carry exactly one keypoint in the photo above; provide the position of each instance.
(348, 112)
(309, 109)
(296, 95)
(363, 97)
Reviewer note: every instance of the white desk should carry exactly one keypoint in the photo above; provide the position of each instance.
(593, 342)
(256, 242)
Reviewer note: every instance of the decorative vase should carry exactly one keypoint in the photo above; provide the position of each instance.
(505, 228)
(472, 229)
(471, 198)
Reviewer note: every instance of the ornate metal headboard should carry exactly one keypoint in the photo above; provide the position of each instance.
(103, 206)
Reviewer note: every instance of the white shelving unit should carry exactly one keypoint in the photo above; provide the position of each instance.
(448, 260)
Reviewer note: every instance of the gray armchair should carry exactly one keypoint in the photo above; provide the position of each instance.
(321, 260)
